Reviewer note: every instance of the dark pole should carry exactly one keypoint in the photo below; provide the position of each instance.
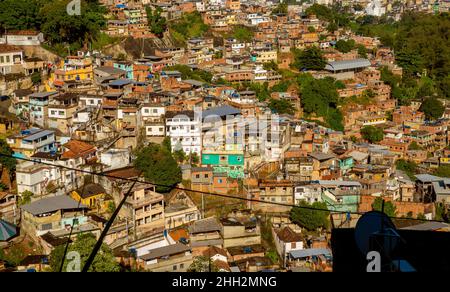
(99, 242)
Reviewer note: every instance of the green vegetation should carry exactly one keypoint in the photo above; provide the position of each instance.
(14, 256)
(188, 73)
(158, 166)
(372, 134)
(104, 261)
(281, 8)
(432, 108)
(345, 46)
(308, 59)
(414, 146)
(62, 31)
(443, 171)
(189, 26)
(409, 167)
(7, 162)
(308, 218)
(36, 78)
(241, 33)
(281, 106)
(362, 51)
(270, 66)
(156, 22)
(104, 40)
(179, 155)
(25, 198)
(389, 207)
(320, 98)
(261, 90)
(202, 264)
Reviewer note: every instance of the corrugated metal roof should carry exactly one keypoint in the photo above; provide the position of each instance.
(347, 64)
(38, 135)
(221, 111)
(121, 82)
(52, 204)
(302, 253)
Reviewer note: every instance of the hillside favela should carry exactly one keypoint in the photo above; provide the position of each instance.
(224, 135)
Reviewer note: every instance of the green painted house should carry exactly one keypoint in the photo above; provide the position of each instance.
(228, 162)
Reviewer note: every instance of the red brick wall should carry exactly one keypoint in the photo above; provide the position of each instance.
(402, 207)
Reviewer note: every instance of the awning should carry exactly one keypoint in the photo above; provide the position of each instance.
(7, 230)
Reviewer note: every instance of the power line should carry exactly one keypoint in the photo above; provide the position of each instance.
(207, 193)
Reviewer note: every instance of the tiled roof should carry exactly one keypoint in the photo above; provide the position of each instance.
(77, 149)
(9, 49)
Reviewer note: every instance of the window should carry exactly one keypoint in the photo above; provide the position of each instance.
(47, 226)
(174, 268)
(197, 176)
(220, 181)
(7, 59)
(91, 101)
(206, 175)
(293, 245)
(2, 59)
(146, 110)
(155, 111)
(181, 266)
(149, 129)
(160, 129)
(53, 112)
(61, 113)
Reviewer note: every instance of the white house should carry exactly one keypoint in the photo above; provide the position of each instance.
(35, 177)
(184, 130)
(23, 38)
(151, 112)
(287, 240)
(115, 158)
(11, 59)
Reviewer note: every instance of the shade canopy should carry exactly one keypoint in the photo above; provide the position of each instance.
(7, 230)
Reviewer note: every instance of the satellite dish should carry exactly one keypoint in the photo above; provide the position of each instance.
(370, 224)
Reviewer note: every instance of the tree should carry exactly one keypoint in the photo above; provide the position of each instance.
(309, 59)
(345, 46)
(389, 207)
(156, 22)
(158, 166)
(202, 264)
(332, 27)
(414, 146)
(409, 167)
(421, 216)
(281, 8)
(25, 198)
(7, 162)
(432, 108)
(281, 106)
(104, 260)
(320, 97)
(362, 51)
(193, 157)
(311, 29)
(443, 171)
(166, 144)
(372, 134)
(179, 155)
(59, 27)
(270, 66)
(308, 218)
(36, 78)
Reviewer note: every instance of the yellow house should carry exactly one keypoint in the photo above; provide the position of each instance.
(73, 68)
(91, 195)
